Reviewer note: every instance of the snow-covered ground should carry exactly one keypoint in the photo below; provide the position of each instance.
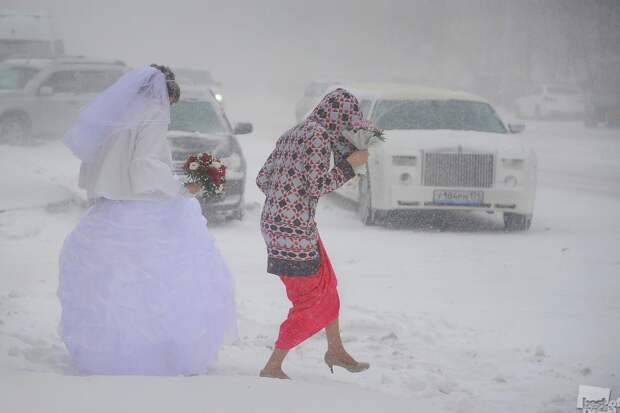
(458, 315)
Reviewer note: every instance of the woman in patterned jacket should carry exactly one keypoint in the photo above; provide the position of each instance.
(293, 178)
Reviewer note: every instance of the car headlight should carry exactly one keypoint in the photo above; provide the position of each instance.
(405, 179)
(512, 163)
(511, 181)
(224, 148)
(233, 162)
(404, 160)
(219, 97)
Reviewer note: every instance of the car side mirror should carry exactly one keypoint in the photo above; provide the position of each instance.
(243, 128)
(516, 127)
(46, 91)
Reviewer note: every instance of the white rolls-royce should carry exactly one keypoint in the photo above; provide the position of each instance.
(444, 150)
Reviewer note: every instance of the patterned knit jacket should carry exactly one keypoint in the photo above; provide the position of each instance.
(296, 174)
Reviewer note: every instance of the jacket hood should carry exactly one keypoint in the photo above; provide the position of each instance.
(336, 112)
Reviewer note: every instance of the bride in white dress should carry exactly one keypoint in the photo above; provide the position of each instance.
(143, 288)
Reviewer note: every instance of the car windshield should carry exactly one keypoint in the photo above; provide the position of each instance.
(365, 105)
(197, 116)
(437, 114)
(13, 78)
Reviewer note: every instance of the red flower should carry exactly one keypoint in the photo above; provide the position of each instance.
(213, 172)
(210, 177)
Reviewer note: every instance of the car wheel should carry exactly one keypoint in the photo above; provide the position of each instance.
(364, 208)
(239, 213)
(517, 222)
(14, 130)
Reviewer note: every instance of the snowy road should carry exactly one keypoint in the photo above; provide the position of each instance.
(464, 317)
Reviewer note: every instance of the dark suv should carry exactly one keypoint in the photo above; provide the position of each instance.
(198, 124)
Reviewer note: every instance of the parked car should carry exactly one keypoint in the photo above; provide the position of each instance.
(444, 150)
(602, 94)
(41, 98)
(200, 78)
(313, 94)
(553, 100)
(198, 124)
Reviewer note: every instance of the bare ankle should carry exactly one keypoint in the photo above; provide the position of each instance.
(337, 351)
(274, 373)
(272, 368)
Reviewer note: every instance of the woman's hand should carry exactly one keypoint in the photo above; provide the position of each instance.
(358, 158)
(192, 188)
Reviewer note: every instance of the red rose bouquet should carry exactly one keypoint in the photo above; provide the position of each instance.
(207, 171)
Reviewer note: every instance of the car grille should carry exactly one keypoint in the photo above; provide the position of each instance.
(449, 169)
(182, 147)
(233, 187)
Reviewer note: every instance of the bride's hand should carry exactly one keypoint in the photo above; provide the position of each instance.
(193, 188)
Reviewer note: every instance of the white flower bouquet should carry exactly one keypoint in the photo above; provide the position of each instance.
(363, 135)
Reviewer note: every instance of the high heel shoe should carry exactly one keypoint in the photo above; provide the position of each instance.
(356, 367)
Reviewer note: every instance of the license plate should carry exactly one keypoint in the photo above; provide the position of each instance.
(446, 197)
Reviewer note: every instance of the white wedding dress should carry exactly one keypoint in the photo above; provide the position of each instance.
(143, 287)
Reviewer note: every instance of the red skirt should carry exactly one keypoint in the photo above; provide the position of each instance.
(315, 303)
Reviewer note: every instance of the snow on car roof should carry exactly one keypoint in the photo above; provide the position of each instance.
(36, 63)
(194, 76)
(403, 91)
(193, 92)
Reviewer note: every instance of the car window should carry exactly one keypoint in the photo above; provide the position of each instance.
(12, 78)
(534, 90)
(437, 114)
(520, 89)
(562, 90)
(365, 105)
(64, 81)
(95, 81)
(81, 81)
(197, 116)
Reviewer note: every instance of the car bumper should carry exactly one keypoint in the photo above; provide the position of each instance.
(490, 199)
(230, 201)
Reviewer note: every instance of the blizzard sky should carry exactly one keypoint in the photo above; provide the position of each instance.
(252, 42)
(266, 52)
(279, 45)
